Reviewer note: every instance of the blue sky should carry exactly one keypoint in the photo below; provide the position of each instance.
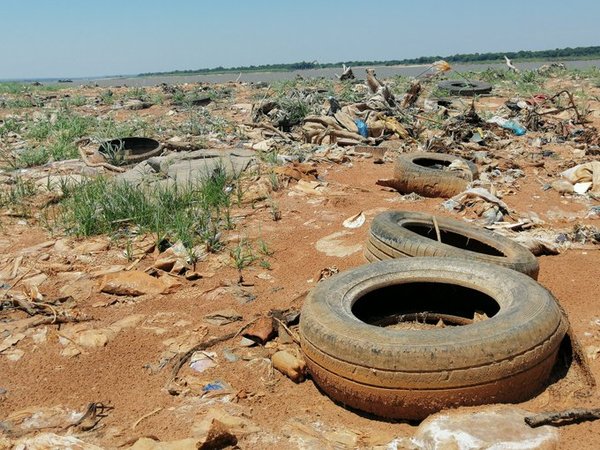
(59, 38)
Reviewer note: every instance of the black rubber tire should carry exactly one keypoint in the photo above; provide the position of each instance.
(462, 87)
(415, 172)
(135, 149)
(409, 374)
(391, 237)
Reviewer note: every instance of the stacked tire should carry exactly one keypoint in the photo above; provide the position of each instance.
(446, 315)
(399, 234)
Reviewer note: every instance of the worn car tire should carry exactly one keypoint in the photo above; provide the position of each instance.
(134, 149)
(397, 234)
(409, 374)
(418, 172)
(466, 88)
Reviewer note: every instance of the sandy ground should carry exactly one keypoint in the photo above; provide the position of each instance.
(118, 373)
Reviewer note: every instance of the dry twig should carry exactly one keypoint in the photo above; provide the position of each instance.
(295, 338)
(563, 417)
(145, 416)
(437, 229)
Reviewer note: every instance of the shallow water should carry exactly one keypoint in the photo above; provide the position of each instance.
(359, 72)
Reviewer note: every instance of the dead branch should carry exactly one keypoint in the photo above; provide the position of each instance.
(580, 120)
(33, 322)
(510, 65)
(145, 416)
(18, 280)
(293, 335)
(563, 417)
(347, 73)
(269, 127)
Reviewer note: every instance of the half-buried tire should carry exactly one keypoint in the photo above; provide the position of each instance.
(131, 150)
(427, 174)
(397, 234)
(466, 88)
(361, 352)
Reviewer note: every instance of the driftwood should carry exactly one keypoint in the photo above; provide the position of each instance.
(563, 417)
(372, 82)
(347, 73)
(269, 127)
(412, 95)
(19, 326)
(326, 121)
(510, 65)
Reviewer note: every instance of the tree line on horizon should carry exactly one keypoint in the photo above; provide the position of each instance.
(559, 53)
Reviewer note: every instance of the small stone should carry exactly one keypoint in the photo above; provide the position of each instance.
(494, 427)
(245, 342)
(292, 367)
(132, 283)
(562, 187)
(261, 331)
(223, 317)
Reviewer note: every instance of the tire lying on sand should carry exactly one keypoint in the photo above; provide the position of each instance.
(466, 88)
(398, 234)
(131, 150)
(427, 174)
(362, 355)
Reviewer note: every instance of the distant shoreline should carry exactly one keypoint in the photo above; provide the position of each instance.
(243, 70)
(490, 58)
(383, 72)
(408, 70)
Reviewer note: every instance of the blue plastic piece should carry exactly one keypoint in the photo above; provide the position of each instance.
(213, 387)
(363, 130)
(517, 129)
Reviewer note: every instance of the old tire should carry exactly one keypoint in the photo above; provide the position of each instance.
(466, 88)
(423, 173)
(409, 374)
(397, 234)
(132, 149)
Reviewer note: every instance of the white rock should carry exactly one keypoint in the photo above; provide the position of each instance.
(497, 427)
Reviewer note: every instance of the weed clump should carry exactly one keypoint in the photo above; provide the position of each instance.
(192, 213)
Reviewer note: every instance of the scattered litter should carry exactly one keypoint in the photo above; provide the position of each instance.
(222, 317)
(515, 127)
(327, 272)
(201, 361)
(584, 177)
(355, 221)
(479, 200)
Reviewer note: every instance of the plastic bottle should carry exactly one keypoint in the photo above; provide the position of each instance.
(363, 130)
(515, 127)
(512, 125)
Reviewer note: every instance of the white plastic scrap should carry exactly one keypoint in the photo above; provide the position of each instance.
(584, 177)
(355, 221)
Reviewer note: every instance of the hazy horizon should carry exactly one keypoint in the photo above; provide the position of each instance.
(68, 39)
